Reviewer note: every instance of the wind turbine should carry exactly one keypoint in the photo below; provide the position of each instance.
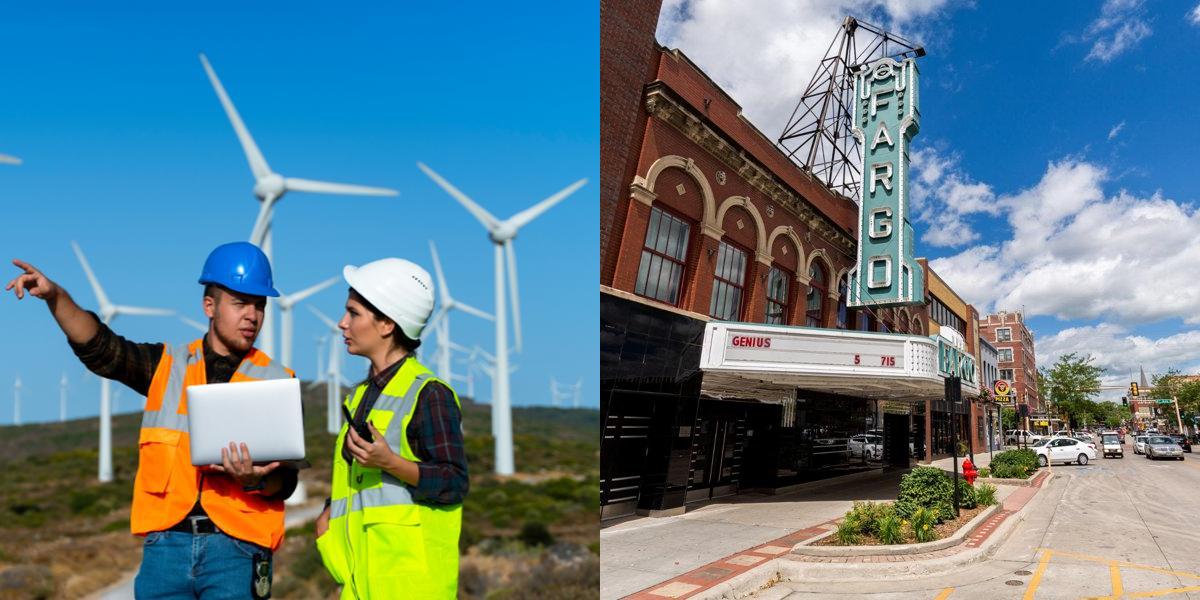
(333, 380)
(270, 187)
(198, 326)
(108, 312)
(578, 390)
(441, 319)
(8, 159)
(62, 398)
(501, 233)
(286, 303)
(17, 401)
(321, 339)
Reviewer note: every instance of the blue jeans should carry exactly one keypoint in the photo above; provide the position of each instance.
(211, 566)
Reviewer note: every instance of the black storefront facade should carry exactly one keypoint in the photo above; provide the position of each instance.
(675, 433)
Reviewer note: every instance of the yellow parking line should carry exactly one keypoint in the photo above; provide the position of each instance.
(1037, 575)
(1114, 573)
(1179, 590)
(945, 594)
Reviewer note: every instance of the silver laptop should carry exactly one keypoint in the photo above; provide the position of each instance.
(265, 415)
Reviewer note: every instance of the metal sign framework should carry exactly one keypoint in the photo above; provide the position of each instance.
(818, 135)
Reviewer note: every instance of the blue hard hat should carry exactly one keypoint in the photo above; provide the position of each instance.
(241, 267)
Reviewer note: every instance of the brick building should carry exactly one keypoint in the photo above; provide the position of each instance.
(1016, 359)
(729, 360)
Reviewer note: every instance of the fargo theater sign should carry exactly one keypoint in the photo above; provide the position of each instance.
(885, 120)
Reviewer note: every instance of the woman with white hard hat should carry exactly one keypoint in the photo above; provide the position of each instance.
(390, 528)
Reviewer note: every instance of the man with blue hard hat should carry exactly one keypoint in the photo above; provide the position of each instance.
(210, 531)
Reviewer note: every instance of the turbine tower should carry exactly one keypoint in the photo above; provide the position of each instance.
(333, 378)
(270, 187)
(108, 312)
(501, 233)
(440, 322)
(286, 303)
(62, 398)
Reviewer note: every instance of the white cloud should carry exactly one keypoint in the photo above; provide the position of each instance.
(1112, 133)
(1194, 16)
(1119, 27)
(764, 52)
(1122, 353)
(1074, 253)
(943, 196)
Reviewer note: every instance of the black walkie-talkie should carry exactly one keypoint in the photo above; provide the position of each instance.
(361, 429)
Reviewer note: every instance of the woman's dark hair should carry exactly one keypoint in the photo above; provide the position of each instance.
(398, 337)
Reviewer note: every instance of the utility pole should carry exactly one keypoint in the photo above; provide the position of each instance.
(1178, 419)
(953, 398)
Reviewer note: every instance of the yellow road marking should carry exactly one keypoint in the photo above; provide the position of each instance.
(1125, 564)
(1179, 590)
(1114, 573)
(1037, 575)
(945, 594)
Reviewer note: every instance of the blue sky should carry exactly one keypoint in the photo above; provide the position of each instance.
(1054, 167)
(127, 151)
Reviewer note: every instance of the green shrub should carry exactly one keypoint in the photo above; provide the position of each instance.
(929, 488)
(889, 529)
(985, 472)
(922, 525)
(985, 494)
(847, 531)
(535, 534)
(868, 514)
(966, 494)
(1016, 464)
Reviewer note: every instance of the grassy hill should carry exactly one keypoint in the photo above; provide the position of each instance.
(63, 534)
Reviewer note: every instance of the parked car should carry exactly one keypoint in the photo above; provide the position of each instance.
(870, 446)
(1183, 442)
(1065, 450)
(1139, 444)
(1162, 446)
(1013, 437)
(1110, 442)
(1085, 438)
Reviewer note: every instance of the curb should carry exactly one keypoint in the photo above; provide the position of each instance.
(806, 549)
(784, 569)
(1005, 481)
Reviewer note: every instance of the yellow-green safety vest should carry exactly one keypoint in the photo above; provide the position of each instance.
(380, 544)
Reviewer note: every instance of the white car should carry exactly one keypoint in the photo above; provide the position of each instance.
(1065, 450)
(1014, 437)
(867, 445)
(1139, 444)
(1112, 446)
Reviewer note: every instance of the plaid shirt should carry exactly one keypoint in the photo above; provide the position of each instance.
(434, 434)
(114, 357)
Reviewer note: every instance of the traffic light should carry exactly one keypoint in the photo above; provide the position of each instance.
(1133, 390)
(1124, 401)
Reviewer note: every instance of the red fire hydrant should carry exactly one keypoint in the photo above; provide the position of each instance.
(969, 472)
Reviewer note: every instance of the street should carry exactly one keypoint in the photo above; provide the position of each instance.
(1114, 528)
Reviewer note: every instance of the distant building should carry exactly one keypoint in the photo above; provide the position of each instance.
(1017, 361)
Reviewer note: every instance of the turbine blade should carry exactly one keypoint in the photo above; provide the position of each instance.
(482, 215)
(444, 291)
(325, 187)
(87, 270)
(258, 164)
(320, 315)
(145, 312)
(194, 324)
(301, 295)
(511, 254)
(262, 221)
(467, 308)
(8, 159)
(522, 218)
(458, 347)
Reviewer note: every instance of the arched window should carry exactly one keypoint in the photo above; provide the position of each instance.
(844, 314)
(664, 257)
(916, 325)
(815, 312)
(777, 296)
(728, 283)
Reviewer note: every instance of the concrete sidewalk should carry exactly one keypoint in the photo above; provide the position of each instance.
(639, 553)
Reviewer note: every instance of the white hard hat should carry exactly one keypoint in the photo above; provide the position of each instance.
(400, 289)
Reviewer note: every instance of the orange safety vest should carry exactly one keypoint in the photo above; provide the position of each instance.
(167, 485)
